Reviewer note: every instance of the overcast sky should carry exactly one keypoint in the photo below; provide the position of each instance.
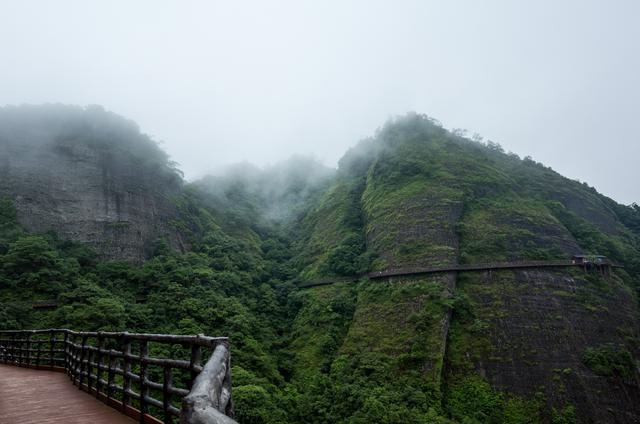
(222, 82)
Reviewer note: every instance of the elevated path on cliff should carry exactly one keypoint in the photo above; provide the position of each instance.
(604, 268)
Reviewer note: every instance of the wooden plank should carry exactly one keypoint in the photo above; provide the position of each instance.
(29, 396)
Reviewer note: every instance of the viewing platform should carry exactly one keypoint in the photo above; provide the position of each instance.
(39, 396)
(59, 375)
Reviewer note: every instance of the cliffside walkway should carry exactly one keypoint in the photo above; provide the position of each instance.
(42, 370)
(605, 268)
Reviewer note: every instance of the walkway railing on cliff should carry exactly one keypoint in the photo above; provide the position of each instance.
(603, 267)
(491, 266)
(135, 373)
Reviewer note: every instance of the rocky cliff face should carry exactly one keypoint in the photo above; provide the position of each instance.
(493, 346)
(527, 333)
(88, 176)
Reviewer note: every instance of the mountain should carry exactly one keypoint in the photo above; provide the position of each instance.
(90, 176)
(231, 254)
(492, 345)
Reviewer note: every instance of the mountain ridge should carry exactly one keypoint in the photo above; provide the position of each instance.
(228, 253)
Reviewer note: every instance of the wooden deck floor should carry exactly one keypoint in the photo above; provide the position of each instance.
(34, 396)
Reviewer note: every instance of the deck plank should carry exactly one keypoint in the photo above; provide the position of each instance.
(29, 396)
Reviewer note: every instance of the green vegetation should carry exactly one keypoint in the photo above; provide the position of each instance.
(420, 350)
(566, 415)
(610, 360)
(332, 240)
(510, 228)
(472, 400)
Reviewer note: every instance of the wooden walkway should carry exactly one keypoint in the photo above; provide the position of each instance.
(29, 396)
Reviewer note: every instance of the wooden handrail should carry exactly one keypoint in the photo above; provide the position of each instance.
(210, 398)
(119, 369)
(491, 266)
(483, 267)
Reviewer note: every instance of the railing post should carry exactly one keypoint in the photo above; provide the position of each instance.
(196, 360)
(73, 359)
(110, 375)
(28, 337)
(51, 346)
(7, 348)
(90, 357)
(76, 360)
(144, 390)
(20, 352)
(66, 351)
(99, 364)
(70, 372)
(166, 394)
(13, 347)
(38, 352)
(126, 385)
(83, 350)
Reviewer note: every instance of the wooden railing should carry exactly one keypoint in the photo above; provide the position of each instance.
(470, 267)
(131, 372)
(491, 266)
(604, 267)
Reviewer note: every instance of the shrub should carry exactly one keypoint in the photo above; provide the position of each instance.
(609, 360)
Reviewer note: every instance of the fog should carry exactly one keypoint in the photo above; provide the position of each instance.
(274, 193)
(225, 82)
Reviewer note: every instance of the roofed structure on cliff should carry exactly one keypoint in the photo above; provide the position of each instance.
(590, 259)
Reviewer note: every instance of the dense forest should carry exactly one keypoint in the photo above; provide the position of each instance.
(559, 346)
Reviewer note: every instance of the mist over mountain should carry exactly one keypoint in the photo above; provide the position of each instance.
(90, 176)
(276, 193)
(96, 219)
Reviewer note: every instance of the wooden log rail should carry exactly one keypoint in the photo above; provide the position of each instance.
(124, 370)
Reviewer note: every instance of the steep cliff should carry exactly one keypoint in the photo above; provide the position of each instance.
(89, 176)
(493, 347)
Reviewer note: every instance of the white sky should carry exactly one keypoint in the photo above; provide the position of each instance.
(222, 82)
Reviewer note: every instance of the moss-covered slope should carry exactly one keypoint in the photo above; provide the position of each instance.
(492, 347)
